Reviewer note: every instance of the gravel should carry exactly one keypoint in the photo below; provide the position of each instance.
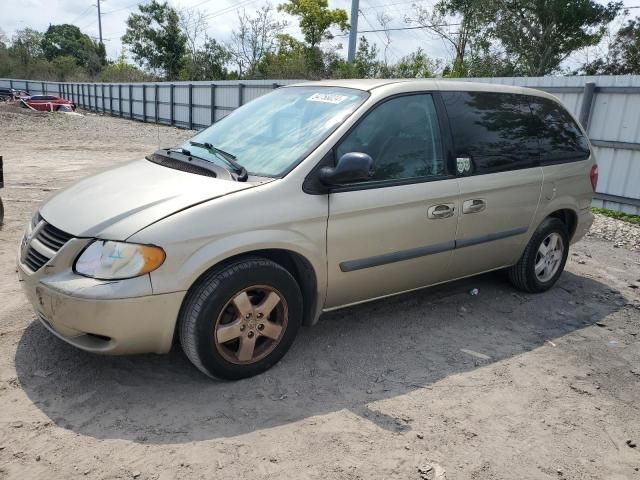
(621, 233)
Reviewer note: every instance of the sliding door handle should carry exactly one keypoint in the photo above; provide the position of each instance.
(473, 206)
(444, 210)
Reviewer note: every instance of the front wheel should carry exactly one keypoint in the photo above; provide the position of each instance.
(544, 258)
(240, 320)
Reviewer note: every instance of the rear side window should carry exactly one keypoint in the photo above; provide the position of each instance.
(495, 130)
(560, 136)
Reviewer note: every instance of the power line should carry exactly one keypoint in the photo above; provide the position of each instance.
(133, 5)
(371, 25)
(230, 9)
(84, 12)
(384, 42)
(385, 5)
(93, 21)
(401, 28)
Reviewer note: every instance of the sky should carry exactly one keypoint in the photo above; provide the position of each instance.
(222, 19)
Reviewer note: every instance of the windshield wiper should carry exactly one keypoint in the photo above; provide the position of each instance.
(239, 170)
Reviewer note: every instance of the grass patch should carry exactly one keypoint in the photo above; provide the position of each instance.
(626, 217)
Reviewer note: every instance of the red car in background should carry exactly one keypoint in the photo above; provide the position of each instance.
(48, 103)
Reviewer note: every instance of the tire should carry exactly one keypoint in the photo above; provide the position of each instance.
(523, 274)
(212, 312)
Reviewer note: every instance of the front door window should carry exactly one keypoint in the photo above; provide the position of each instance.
(402, 137)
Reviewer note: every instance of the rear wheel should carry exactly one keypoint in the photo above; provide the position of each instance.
(240, 320)
(544, 258)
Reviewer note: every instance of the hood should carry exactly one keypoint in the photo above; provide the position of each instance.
(117, 203)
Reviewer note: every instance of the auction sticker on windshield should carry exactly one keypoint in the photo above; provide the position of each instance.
(327, 98)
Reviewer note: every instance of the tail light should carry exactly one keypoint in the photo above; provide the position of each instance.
(594, 177)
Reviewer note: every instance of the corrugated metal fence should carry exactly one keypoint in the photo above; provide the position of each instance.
(608, 106)
(193, 105)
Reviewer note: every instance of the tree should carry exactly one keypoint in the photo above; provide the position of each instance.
(539, 34)
(623, 57)
(122, 71)
(256, 37)
(193, 24)
(66, 68)
(155, 39)
(26, 45)
(460, 23)
(384, 20)
(316, 18)
(208, 62)
(68, 41)
(288, 61)
(485, 62)
(415, 65)
(366, 63)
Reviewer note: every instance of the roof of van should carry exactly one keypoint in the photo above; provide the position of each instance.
(424, 84)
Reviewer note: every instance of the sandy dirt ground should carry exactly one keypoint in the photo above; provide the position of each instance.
(431, 385)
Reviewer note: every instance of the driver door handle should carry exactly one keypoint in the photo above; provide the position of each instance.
(473, 206)
(444, 210)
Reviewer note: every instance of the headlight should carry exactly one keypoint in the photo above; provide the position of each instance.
(107, 260)
(35, 220)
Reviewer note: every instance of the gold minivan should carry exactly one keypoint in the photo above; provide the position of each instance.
(314, 197)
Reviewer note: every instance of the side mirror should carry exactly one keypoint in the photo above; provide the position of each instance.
(352, 167)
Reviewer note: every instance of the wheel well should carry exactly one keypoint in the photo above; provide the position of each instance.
(297, 265)
(569, 218)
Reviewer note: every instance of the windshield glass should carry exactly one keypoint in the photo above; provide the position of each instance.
(273, 133)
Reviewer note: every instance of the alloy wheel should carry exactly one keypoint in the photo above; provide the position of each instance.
(251, 324)
(549, 257)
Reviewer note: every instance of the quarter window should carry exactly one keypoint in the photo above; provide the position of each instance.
(560, 136)
(402, 137)
(495, 130)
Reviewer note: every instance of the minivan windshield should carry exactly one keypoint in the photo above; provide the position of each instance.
(272, 134)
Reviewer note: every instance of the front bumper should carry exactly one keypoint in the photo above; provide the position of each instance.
(118, 317)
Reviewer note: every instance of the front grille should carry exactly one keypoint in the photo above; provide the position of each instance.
(52, 237)
(42, 245)
(34, 260)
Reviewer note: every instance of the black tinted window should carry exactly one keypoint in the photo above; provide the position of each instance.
(402, 137)
(496, 130)
(560, 136)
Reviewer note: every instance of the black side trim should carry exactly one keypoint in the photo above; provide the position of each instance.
(376, 261)
(468, 242)
(351, 265)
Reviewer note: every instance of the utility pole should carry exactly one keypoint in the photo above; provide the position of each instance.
(353, 34)
(99, 22)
